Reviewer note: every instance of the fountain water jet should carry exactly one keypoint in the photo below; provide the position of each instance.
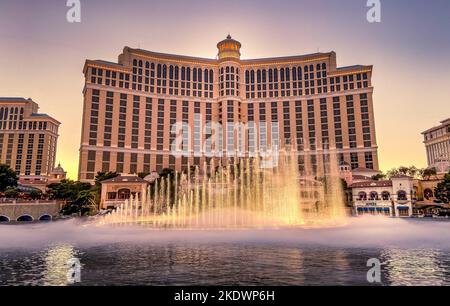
(243, 194)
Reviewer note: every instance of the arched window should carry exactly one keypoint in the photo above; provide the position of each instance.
(324, 66)
(402, 195)
(206, 78)
(135, 62)
(374, 195)
(311, 68)
(299, 73)
(211, 76)
(362, 196)
(318, 67)
(264, 77)
(282, 74)
(177, 73)
(252, 76)
(247, 78)
(288, 74)
(158, 71)
(270, 75)
(188, 74)
(258, 76)
(275, 75)
(123, 194)
(227, 69)
(428, 194)
(147, 65)
(294, 74)
(171, 72)
(183, 73)
(232, 69)
(164, 71)
(194, 75)
(306, 69)
(199, 71)
(385, 195)
(140, 63)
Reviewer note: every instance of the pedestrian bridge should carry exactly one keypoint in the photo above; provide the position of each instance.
(28, 211)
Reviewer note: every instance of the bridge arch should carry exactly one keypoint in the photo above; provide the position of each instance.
(25, 218)
(4, 219)
(45, 218)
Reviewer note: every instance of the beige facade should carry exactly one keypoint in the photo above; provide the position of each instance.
(28, 140)
(437, 144)
(152, 111)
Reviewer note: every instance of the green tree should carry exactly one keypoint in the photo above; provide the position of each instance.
(36, 195)
(442, 190)
(379, 177)
(11, 193)
(8, 177)
(66, 190)
(142, 175)
(429, 172)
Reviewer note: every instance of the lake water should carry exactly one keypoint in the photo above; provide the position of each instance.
(412, 252)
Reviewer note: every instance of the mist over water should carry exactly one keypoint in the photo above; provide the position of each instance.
(364, 232)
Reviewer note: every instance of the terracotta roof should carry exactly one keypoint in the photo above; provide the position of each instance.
(401, 176)
(372, 184)
(124, 179)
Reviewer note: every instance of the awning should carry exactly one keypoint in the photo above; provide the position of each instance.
(379, 209)
(372, 208)
(403, 207)
(387, 209)
(360, 209)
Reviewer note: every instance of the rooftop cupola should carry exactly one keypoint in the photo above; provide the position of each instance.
(229, 48)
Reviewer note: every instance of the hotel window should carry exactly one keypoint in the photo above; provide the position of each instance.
(311, 125)
(287, 123)
(133, 163)
(324, 124)
(120, 161)
(354, 161)
(368, 157)
(262, 127)
(365, 121)
(275, 127)
(148, 124)
(90, 168)
(161, 128)
(108, 118)
(147, 167)
(122, 121)
(197, 129)
(337, 123)
(299, 125)
(106, 157)
(135, 123)
(94, 117)
(351, 121)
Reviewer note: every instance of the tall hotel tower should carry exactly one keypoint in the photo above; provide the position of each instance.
(152, 111)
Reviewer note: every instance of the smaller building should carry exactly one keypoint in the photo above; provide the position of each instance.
(394, 197)
(437, 144)
(116, 191)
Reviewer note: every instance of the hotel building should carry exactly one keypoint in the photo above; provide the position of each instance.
(437, 144)
(28, 140)
(152, 111)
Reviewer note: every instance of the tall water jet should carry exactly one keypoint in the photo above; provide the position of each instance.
(242, 194)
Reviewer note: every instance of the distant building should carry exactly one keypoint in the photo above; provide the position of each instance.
(437, 144)
(151, 111)
(117, 190)
(28, 141)
(394, 197)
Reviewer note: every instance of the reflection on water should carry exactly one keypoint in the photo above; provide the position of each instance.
(224, 264)
(416, 267)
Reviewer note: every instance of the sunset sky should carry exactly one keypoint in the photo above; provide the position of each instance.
(42, 55)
